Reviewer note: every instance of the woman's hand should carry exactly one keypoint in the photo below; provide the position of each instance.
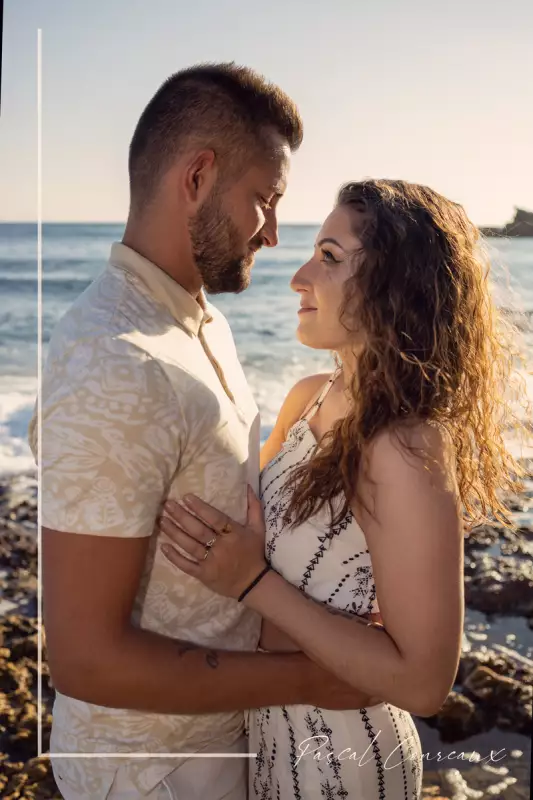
(235, 553)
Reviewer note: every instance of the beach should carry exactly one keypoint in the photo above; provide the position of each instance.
(488, 711)
(489, 708)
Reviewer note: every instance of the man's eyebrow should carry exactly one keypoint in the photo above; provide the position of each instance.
(329, 240)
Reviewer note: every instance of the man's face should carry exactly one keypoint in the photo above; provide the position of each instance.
(235, 222)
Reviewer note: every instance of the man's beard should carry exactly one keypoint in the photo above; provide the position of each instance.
(215, 246)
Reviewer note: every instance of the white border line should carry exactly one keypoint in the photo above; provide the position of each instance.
(150, 755)
(39, 394)
(39, 469)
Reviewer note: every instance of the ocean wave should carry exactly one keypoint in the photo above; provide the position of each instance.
(17, 401)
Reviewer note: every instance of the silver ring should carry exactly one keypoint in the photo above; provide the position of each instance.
(211, 542)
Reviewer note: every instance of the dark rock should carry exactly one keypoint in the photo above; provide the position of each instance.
(492, 689)
(21, 775)
(509, 699)
(457, 719)
(501, 586)
(487, 658)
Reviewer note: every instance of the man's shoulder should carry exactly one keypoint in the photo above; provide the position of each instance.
(94, 311)
(102, 362)
(115, 302)
(111, 320)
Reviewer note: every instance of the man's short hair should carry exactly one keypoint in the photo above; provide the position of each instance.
(229, 108)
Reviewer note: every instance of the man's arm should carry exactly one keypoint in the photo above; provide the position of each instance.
(113, 436)
(95, 653)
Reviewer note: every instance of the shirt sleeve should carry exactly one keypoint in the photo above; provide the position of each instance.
(111, 441)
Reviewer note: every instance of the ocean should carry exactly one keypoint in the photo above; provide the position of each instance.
(263, 318)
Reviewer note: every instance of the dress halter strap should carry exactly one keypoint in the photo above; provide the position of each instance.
(322, 396)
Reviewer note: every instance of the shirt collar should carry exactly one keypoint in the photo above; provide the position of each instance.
(191, 314)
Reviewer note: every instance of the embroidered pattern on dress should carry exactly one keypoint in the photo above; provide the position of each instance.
(294, 769)
(334, 531)
(377, 753)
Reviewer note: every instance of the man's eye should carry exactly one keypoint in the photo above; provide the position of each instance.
(265, 203)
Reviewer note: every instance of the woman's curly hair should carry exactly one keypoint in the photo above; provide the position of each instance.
(434, 350)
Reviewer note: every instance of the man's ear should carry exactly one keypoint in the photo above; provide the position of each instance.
(200, 177)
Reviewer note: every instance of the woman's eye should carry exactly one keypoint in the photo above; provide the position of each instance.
(265, 203)
(328, 257)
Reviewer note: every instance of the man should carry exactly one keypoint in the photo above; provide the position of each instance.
(143, 398)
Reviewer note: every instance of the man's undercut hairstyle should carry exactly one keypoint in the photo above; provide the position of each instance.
(224, 107)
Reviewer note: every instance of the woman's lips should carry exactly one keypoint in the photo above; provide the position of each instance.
(305, 310)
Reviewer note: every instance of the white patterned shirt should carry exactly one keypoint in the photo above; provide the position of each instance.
(143, 398)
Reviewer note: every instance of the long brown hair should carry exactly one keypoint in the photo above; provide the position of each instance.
(435, 350)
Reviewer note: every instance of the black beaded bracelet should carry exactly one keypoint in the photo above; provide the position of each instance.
(254, 582)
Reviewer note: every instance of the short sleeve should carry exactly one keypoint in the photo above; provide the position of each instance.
(111, 440)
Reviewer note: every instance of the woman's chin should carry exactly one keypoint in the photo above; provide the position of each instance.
(308, 340)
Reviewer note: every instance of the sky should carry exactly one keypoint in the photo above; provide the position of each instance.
(438, 93)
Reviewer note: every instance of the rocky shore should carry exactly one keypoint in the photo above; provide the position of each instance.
(521, 225)
(489, 709)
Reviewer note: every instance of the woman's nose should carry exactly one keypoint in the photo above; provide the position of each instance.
(300, 280)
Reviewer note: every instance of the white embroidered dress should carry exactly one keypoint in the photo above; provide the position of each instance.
(332, 565)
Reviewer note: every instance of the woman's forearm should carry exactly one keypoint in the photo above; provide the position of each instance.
(363, 656)
(276, 641)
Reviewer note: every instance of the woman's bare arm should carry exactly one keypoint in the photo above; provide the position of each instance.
(276, 641)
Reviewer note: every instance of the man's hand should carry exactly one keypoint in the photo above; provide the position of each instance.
(337, 694)
(325, 690)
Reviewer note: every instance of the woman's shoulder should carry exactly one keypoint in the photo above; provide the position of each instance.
(302, 395)
(413, 447)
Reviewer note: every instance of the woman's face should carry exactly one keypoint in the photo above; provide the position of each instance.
(320, 284)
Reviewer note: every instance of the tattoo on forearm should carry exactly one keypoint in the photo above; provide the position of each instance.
(212, 659)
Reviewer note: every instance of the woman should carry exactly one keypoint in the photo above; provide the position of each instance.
(366, 481)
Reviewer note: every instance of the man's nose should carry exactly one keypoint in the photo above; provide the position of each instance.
(269, 231)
